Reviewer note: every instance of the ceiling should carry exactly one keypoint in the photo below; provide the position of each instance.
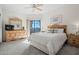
(21, 8)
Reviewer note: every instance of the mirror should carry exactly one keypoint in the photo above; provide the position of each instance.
(17, 22)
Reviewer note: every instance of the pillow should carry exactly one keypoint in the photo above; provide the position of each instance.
(58, 30)
(55, 30)
(50, 31)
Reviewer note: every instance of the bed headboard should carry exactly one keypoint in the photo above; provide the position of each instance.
(53, 26)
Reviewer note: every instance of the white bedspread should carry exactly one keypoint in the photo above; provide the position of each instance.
(53, 41)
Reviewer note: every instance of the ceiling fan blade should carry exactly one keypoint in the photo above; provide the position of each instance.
(34, 7)
(38, 5)
(39, 9)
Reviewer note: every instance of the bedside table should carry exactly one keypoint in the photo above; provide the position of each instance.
(73, 40)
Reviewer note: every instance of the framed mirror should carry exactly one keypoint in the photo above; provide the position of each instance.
(17, 22)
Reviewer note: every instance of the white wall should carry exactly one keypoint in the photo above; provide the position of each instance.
(70, 16)
(0, 24)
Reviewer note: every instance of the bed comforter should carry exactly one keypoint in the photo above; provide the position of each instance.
(53, 41)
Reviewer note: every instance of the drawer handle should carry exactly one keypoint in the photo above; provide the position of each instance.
(74, 40)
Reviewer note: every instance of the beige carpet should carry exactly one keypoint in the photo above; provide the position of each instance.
(20, 47)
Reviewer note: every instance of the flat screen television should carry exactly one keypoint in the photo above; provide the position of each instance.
(9, 27)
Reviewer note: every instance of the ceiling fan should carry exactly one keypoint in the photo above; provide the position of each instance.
(36, 7)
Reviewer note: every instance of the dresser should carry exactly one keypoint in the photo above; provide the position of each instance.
(73, 40)
(15, 35)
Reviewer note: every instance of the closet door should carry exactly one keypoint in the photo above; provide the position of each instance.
(0, 27)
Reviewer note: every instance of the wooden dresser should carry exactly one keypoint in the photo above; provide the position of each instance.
(15, 34)
(73, 40)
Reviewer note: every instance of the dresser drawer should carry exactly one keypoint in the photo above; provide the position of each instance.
(74, 42)
(14, 35)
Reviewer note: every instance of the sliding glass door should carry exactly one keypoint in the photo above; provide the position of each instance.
(35, 26)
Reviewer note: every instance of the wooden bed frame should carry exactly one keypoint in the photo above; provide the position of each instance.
(53, 26)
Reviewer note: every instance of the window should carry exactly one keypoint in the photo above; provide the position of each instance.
(35, 26)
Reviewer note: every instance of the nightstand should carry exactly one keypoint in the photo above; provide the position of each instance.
(73, 40)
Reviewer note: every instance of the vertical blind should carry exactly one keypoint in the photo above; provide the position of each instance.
(35, 25)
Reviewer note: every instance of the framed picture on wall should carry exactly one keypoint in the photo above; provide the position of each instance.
(56, 19)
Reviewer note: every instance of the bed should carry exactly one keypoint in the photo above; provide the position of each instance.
(49, 43)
